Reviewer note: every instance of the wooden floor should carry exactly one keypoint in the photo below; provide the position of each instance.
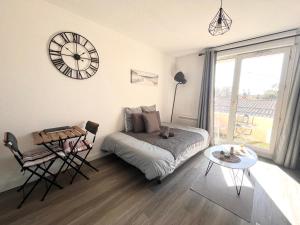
(119, 194)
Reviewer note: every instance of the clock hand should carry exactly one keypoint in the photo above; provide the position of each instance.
(67, 55)
(77, 65)
(69, 50)
(85, 58)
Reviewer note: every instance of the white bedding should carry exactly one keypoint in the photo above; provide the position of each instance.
(153, 161)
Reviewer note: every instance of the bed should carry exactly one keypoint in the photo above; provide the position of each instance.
(154, 161)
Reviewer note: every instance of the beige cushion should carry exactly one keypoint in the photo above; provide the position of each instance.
(82, 145)
(128, 119)
(149, 108)
(151, 122)
(41, 155)
(138, 122)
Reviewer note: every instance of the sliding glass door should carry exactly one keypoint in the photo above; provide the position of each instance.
(248, 94)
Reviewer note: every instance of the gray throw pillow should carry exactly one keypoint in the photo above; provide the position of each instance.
(127, 117)
(150, 108)
(151, 122)
(138, 122)
(158, 116)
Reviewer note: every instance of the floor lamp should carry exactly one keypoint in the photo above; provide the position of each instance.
(179, 78)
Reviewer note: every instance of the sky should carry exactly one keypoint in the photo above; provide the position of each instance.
(258, 73)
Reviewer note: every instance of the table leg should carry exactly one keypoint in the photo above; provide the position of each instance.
(238, 187)
(210, 164)
(65, 160)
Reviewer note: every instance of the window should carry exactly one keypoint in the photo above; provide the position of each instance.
(248, 94)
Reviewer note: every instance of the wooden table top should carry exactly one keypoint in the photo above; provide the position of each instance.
(46, 136)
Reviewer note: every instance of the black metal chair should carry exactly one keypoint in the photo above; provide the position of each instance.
(82, 146)
(32, 162)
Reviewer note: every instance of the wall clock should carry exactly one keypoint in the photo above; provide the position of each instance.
(73, 55)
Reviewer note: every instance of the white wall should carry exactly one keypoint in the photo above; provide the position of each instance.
(187, 98)
(35, 96)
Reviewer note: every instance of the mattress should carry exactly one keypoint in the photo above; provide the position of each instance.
(153, 161)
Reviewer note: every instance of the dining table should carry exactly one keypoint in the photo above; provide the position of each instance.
(53, 139)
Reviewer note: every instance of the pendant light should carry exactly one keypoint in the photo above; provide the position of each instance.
(221, 23)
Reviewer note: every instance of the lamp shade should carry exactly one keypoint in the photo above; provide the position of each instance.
(179, 77)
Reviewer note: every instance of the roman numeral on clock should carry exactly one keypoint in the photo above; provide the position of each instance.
(94, 69)
(76, 38)
(95, 60)
(65, 37)
(92, 51)
(88, 75)
(86, 41)
(57, 43)
(54, 52)
(58, 62)
(78, 74)
(67, 71)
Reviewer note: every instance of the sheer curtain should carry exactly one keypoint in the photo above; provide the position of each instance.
(287, 145)
(205, 112)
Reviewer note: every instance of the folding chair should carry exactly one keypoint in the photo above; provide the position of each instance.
(82, 146)
(32, 162)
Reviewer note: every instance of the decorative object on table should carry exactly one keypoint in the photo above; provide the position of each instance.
(73, 55)
(35, 162)
(180, 79)
(221, 23)
(226, 158)
(140, 77)
(231, 150)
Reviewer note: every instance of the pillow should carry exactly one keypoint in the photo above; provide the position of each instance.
(150, 108)
(138, 122)
(151, 122)
(128, 119)
(158, 116)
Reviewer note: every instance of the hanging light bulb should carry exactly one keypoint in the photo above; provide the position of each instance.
(221, 23)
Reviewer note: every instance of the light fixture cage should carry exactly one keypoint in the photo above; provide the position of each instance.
(220, 24)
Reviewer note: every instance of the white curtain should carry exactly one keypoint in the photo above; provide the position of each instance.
(287, 145)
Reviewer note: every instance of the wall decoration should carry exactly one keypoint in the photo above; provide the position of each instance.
(73, 55)
(140, 77)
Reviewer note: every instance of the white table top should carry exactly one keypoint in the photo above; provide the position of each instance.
(246, 161)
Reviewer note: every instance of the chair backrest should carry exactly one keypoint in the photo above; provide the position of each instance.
(11, 142)
(92, 128)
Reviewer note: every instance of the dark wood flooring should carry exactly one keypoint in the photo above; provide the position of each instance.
(119, 194)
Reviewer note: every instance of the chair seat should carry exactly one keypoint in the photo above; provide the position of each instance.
(82, 145)
(39, 156)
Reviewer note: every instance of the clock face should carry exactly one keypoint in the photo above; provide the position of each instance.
(73, 55)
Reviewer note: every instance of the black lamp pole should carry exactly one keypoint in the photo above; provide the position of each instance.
(174, 101)
(179, 77)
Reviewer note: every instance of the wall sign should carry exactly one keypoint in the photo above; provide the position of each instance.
(73, 55)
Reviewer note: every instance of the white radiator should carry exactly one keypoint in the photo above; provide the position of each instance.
(185, 120)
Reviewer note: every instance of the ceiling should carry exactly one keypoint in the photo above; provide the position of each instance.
(178, 27)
